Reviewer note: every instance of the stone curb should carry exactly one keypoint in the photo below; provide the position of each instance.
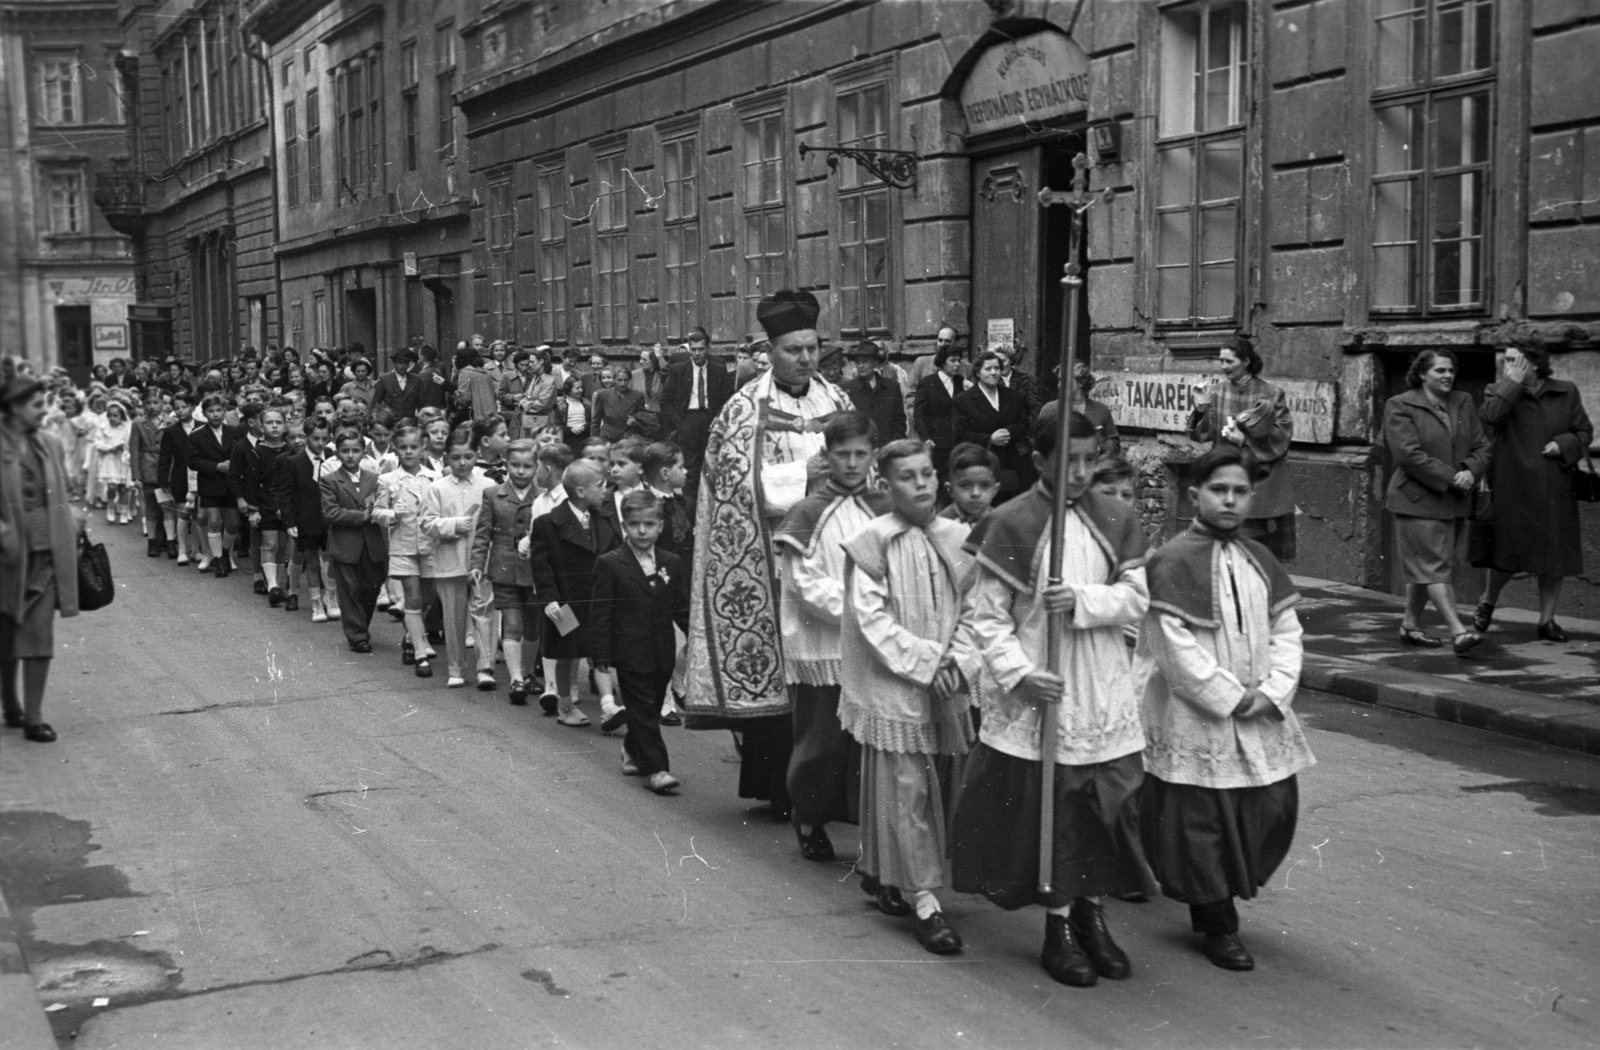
(1568, 724)
(25, 1026)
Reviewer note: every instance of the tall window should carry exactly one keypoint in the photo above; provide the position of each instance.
(60, 92)
(297, 325)
(502, 260)
(444, 54)
(358, 103)
(864, 216)
(680, 174)
(553, 255)
(1433, 121)
(67, 202)
(216, 100)
(313, 144)
(408, 106)
(611, 249)
(766, 238)
(199, 130)
(291, 157)
(322, 331)
(1200, 177)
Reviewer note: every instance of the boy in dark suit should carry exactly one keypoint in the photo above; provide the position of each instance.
(563, 549)
(358, 546)
(640, 591)
(298, 497)
(172, 476)
(506, 518)
(210, 453)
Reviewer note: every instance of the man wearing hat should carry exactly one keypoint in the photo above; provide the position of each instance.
(397, 390)
(876, 392)
(763, 454)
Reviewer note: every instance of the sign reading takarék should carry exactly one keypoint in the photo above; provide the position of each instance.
(1163, 401)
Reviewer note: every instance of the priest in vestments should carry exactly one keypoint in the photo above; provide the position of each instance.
(762, 457)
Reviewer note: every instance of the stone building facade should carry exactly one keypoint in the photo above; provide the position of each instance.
(66, 276)
(1347, 181)
(373, 214)
(197, 194)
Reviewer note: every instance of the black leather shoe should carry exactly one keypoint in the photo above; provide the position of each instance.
(815, 846)
(261, 587)
(1482, 616)
(934, 934)
(408, 653)
(172, 550)
(1226, 951)
(548, 704)
(292, 603)
(614, 721)
(435, 637)
(275, 596)
(1551, 631)
(223, 568)
(154, 548)
(361, 647)
(887, 898)
(1062, 959)
(424, 669)
(518, 692)
(672, 718)
(1088, 922)
(39, 733)
(14, 720)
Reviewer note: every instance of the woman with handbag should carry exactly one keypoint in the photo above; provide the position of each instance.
(1541, 433)
(1440, 452)
(39, 532)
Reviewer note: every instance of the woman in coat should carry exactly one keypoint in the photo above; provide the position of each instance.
(1540, 433)
(616, 407)
(933, 411)
(38, 550)
(1440, 451)
(995, 417)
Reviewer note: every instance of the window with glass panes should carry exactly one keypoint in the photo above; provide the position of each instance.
(216, 98)
(67, 202)
(198, 128)
(863, 236)
(60, 97)
(444, 57)
(681, 188)
(408, 106)
(1200, 163)
(313, 144)
(1433, 122)
(502, 260)
(553, 255)
(291, 157)
(611, 249)
(766, 228)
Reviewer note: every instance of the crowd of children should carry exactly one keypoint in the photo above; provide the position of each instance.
(916, 640)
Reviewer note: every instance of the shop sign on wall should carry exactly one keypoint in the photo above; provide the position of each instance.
(81, 289)
(111, 337)
(1163, 401)
(1025, 81)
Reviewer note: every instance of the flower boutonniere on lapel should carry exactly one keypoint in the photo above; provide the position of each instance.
(665, 579)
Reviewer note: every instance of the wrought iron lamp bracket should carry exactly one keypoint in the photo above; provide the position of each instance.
(897, 167)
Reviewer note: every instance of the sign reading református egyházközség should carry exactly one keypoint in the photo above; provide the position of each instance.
(1032, 79)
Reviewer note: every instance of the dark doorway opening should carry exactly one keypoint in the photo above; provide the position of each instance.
(74, 342)
(361, 319)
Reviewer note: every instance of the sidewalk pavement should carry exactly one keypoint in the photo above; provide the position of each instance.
(1513, 683)
(22, 1020)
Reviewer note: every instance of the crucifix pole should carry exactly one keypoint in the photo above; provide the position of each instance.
(1072, 284)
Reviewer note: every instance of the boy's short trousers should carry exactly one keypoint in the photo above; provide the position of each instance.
(510, 596)
(308, 544)
(405, 564)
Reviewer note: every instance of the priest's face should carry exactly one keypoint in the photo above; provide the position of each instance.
(794, 357)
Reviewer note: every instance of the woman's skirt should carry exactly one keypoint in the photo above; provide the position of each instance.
(1428, 547)
(1209, 844)
(33, 635)
(1097, 850)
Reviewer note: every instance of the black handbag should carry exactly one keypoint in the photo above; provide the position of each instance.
(1586, 483)
(95, 589)
(1482, 500)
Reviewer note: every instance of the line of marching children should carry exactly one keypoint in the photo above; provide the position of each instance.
(484, 547)
(917, 645)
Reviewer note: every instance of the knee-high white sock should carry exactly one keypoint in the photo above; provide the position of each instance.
(513, 651)
(214, 541)
(416, 632)
(270, 571)
(550, 685)
(925, 903)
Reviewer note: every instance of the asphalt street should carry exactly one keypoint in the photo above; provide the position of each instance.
(249, 837)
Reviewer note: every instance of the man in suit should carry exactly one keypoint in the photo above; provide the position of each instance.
(877, 394)
(433, 389)
(172, 474)
(640, 592)
(358, 547)
(398, 391)
(932, 415)
(696, 390)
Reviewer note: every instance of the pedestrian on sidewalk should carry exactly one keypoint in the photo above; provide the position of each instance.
(1222, 648)
(357, 546)
(1440, 451)
(39, 530)
(825, 764)
(1540, 434)
(903, 695)
(1095, 849)
(640, 592)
